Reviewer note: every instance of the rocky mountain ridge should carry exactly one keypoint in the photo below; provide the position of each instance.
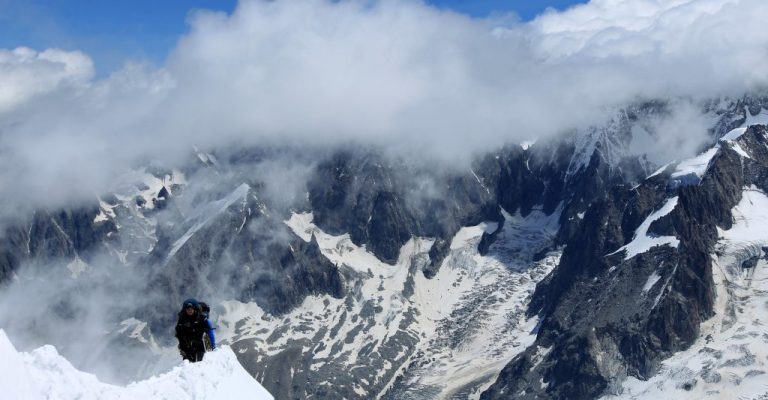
(568, 261)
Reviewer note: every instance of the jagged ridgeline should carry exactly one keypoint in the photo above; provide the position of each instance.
(561, 269)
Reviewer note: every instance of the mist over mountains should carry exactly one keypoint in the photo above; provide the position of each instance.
(396, 74)
(387, 200)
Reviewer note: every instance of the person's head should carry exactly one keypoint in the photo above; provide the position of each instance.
(189, 309)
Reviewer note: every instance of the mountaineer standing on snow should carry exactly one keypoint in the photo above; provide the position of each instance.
(191, 330)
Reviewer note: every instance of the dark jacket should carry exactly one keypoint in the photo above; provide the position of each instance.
(190, 329)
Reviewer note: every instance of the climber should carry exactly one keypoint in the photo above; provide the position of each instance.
(191, 330)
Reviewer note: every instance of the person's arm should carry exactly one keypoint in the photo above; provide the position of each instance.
(211, 335)
(178, 336)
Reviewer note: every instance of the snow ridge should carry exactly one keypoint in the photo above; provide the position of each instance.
(44, 374)
(207, 213)
(693, 169)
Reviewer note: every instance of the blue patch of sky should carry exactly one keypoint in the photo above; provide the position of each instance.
(525, 9)
(113, 31)
(110, 31)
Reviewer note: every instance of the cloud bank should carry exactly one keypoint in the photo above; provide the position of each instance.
(398, 74)
(25, 74)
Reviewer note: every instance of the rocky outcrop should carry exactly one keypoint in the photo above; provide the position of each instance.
(605, 316)
(60, 236)
(382, 205)
(235, 249)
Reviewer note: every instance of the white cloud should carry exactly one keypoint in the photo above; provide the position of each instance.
(25, 73)
(673, 136)
(694, 48)
(394, 73)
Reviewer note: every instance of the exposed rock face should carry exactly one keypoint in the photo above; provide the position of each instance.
(383, 206)
(60, 236)
(600, 323)
(235, 249)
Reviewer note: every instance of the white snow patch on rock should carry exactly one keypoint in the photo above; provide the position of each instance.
(651, 282)
(642, 242)
(733, 134)
(469, 233)
(697, 165)
(106, 212)
(301, 225)
(760, 118)
(737, 148)
(658, 171)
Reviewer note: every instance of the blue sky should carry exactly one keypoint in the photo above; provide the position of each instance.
(526, 9)
(112, 31)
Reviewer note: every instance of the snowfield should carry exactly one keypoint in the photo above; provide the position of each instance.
(460, 328)
(44, 374)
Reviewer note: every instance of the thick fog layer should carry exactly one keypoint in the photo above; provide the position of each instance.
(400, 74)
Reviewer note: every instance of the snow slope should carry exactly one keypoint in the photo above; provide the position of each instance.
(691, 170)
(44, 374)
(696, 166)
(446, 337)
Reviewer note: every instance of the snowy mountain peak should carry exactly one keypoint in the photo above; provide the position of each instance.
(44, 374)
